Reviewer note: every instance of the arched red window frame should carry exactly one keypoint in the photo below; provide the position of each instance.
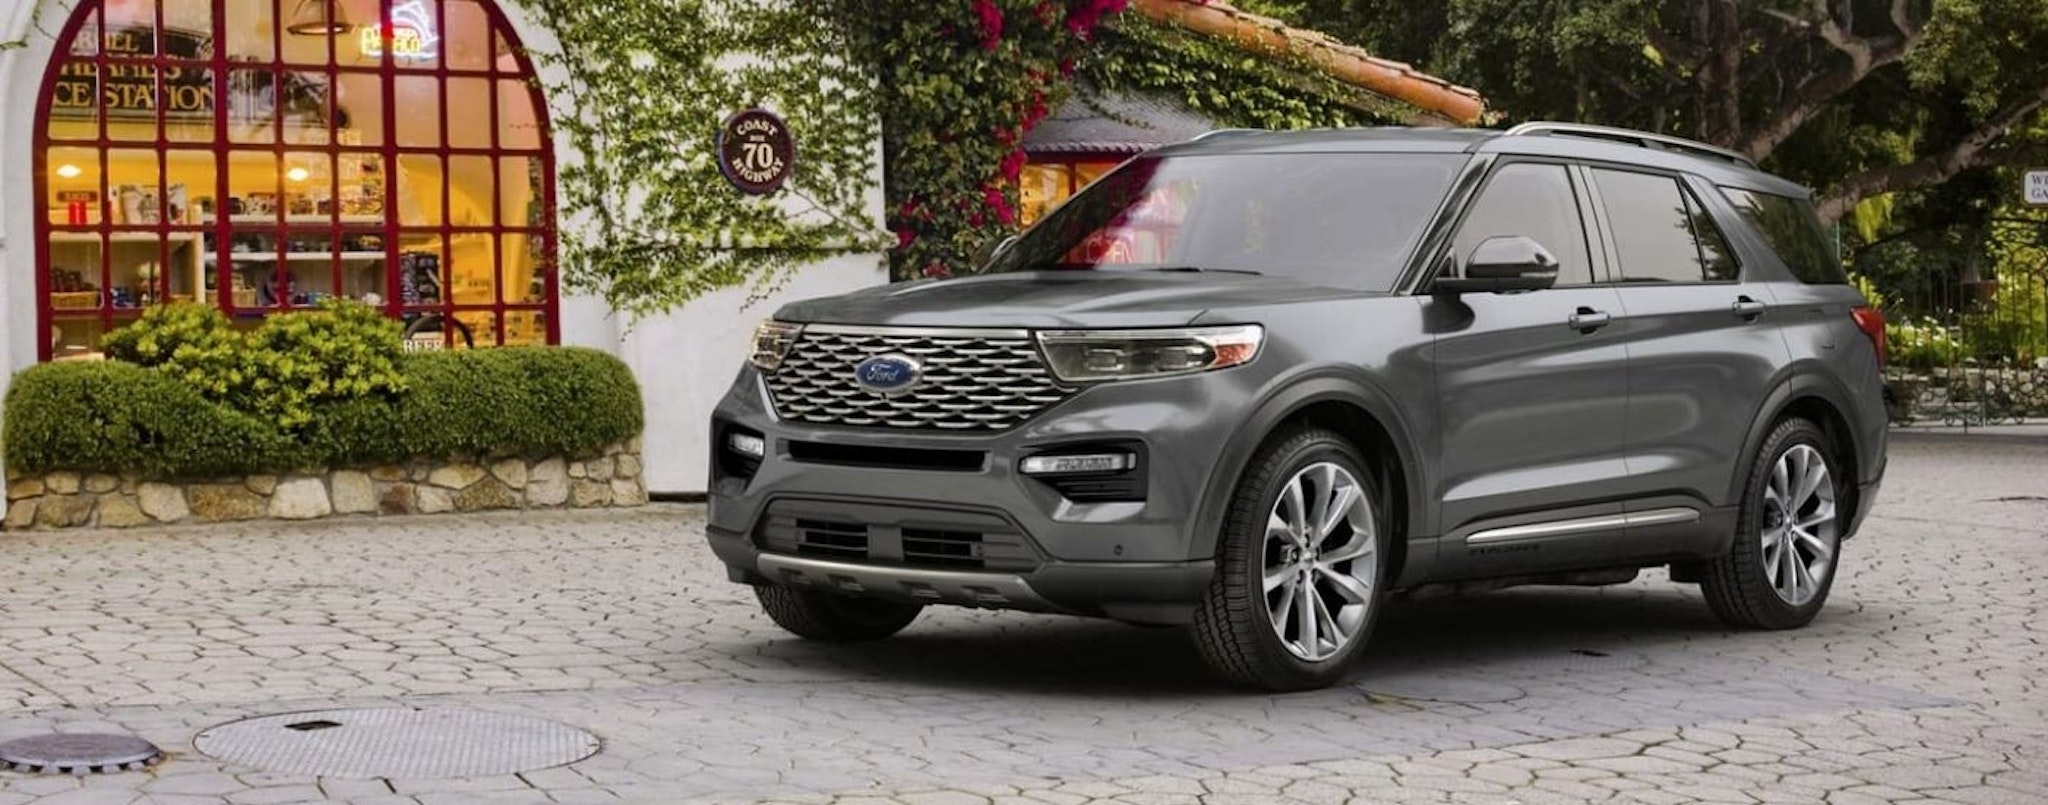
(220, 66)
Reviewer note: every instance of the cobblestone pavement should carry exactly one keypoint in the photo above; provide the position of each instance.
(1922, 681)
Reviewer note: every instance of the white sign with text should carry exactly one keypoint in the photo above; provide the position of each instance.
(2037, 187)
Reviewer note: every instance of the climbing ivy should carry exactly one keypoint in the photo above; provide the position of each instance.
(950, 88)
(640, 88)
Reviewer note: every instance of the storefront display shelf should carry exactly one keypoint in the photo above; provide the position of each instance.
(345, 220)
(298, 257)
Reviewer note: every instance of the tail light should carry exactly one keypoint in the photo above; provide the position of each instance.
(1871, 322)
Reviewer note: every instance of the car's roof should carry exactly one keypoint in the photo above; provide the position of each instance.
(1723, 170)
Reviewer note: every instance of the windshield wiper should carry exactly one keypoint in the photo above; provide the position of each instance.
(1200, 270)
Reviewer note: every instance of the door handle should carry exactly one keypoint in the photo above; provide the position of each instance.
(1588, 320)
(1748, 309)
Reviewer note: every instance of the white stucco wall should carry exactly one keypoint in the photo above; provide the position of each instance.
(684, 359)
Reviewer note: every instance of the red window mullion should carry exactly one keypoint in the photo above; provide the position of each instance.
(223, 161)
(388, 159)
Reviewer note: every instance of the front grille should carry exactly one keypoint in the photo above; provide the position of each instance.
(973, 380)
(895, 535)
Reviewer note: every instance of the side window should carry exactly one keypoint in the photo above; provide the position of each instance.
(1654, 220)
(1794, 232)
(1534, 201)
(1715, 255)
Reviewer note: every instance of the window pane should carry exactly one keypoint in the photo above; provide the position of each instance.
(362, 187)
(481, 327)
(518, 125)
(420, 183)
(469, 36)
(1651, 230)
(134, 186)
(362, 266)
(1535, 202)
(74, 338)
(75, 260)
(188, 94)
(358, 109)
(472, 191)
(473, 269)
(131, 29)
(75, 191)
(184, 269)
(192, 181)
(308, 267)
(75, 102)
(520, 275)
(1793, 231)
(1715, 256)
(412, 41)
(188, 29)
(418, 107)
(252, 106)
(469, 113)
(308, 117)
(254, 192)
(526, 327)
(308, 187)
(519, 192)
(252, 31)
(422, 270)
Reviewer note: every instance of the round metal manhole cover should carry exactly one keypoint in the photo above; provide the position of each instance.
(397, 743)
(78, 754)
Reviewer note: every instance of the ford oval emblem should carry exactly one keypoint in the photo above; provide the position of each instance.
(888, 374)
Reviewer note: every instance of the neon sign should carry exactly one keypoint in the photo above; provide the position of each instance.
(410, 32)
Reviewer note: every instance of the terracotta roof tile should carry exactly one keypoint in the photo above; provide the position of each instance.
(1344, 62)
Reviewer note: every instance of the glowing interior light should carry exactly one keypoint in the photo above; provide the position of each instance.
(69, 171)
(297, 174)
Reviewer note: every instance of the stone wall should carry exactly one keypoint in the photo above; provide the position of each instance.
(74, 500)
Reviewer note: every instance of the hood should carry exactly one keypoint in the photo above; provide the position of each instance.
(1047, 299)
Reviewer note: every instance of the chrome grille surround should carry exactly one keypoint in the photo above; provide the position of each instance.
(974, 380)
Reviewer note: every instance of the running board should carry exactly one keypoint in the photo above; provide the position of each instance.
(1605, 522)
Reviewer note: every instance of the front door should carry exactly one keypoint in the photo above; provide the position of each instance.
(1533, 388)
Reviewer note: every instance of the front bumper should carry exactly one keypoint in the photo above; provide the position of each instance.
(1130, 560)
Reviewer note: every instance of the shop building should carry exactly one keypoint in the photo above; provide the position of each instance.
(264, 155)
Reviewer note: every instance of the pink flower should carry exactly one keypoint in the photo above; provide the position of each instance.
(937, 271)
(991, 23)
(905, 237)
(1013, 165)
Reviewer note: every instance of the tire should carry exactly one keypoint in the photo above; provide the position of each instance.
(823, 616)
(1739, 587)
(1238, 626)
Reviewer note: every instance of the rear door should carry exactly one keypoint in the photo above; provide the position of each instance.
(1532, 391)
(1703, 350)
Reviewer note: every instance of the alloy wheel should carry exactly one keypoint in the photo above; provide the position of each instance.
(1321, 562)
(1800, 529)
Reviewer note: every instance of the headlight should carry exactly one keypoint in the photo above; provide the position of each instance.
(772, 340)
(1084, 356)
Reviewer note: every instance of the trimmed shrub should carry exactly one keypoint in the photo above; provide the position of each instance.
(109, 416)
(339, 351)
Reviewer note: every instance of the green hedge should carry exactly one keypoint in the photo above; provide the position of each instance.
(111, 416)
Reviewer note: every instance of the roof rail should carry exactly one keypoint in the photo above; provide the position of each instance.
(1216, 132)
(1638, 138)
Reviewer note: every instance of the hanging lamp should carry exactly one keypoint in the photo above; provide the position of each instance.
(319, 18)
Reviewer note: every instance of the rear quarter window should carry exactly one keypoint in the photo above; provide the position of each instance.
(1792, 229)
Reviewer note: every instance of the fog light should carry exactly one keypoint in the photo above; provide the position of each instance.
(1068, 465)
(747, 444)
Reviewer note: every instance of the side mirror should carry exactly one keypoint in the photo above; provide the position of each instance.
(1508, 263)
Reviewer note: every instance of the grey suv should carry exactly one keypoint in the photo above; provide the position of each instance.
(1257, 382)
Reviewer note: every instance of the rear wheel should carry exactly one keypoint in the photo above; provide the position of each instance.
(1301, 568)
(1787, 536)
(835, 618)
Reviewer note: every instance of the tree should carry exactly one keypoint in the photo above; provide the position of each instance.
(1859, 97)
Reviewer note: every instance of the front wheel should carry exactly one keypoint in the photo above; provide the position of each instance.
(1301, 568)
(1787, 535)
(834, 618)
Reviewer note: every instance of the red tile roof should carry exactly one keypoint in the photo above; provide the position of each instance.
(1347, 63)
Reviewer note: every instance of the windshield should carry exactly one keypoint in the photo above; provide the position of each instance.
(1339, 220)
